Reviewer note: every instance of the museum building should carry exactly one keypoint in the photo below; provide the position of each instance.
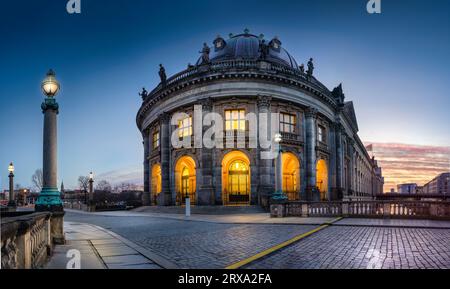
(322, 157)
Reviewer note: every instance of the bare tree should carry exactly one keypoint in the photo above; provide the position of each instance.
(38, 180)
(83, 182)
(103, 186)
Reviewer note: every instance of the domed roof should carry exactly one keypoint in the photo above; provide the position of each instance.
(247, 47)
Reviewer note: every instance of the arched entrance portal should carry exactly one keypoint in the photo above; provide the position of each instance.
(156, 182)
(291, 176)
(322, 179)
(185, 179)
(236, 179)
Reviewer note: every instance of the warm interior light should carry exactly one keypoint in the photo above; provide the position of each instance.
(322, 178)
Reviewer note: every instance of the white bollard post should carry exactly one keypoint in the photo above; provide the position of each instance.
(188, 207)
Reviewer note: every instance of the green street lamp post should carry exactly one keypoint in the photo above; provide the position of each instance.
(12, 202)
(50, 198)
(278, 195)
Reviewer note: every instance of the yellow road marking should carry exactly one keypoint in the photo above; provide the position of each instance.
(280, 246)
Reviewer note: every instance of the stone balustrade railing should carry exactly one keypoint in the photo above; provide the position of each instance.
(26, 240)
(75, 206)
(220, 66)
(364, 209)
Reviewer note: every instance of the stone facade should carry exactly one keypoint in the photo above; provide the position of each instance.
(322, 135)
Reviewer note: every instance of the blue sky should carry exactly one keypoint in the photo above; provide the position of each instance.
(394, 66)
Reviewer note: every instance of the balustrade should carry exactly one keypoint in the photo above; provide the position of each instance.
(370, 209)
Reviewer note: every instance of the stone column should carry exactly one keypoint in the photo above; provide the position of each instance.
(266, 185)
(165, 198)
(205, 191)
(337, 191)
(312, 194)
(351, 169)
(49, 199)
(146, 194)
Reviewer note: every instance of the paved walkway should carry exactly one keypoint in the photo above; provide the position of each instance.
(102, 249)
(218, 241)
(265, 219)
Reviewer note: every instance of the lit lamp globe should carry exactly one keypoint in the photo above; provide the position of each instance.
(11, 168)
(91, 176)
(50, 86)
(277, 137)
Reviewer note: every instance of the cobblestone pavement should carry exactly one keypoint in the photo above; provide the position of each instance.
(365, 247)
(192, 244)
(195, 244)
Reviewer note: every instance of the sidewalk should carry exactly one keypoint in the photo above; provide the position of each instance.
(103, 249)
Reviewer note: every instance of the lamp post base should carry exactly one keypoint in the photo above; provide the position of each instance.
(49, 200)
(12, 206)
(279, 196)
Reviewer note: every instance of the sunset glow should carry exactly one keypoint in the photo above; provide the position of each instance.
(407, 163)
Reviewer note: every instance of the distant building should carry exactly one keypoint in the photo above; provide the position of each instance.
(407, 188)
(439, 185)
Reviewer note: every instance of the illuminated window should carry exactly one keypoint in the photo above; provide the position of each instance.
(291, 176)
(156, 180)
(156, 140)
(185, 127)
(235, 119)
(321, 134)
(287, 123)
(322, 179)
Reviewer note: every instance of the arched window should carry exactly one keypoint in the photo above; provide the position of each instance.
(156, 182)
(185, 179)
(291, 176)
(236, 179)
(322, 179)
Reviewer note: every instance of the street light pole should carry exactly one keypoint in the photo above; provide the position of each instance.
(90, 204)
(278, 195)
(11, 203)
(50, 198)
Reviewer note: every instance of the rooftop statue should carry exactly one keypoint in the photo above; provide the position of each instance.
(205, 53)
(144, 93)
(338, 94)
(310, 67)
(263, 49)
(302, 68)
(162, 74)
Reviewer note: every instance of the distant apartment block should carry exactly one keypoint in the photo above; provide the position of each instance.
(439, 185)
(407, 189)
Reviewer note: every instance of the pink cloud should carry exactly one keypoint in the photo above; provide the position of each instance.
(407, 163)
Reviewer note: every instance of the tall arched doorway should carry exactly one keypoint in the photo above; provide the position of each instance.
(291, 176)
(156, 182)
(236, 179)
(322, 179)
(185, 179)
